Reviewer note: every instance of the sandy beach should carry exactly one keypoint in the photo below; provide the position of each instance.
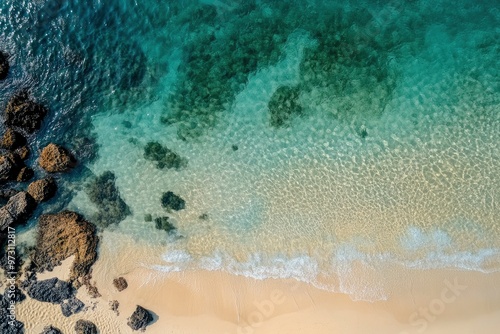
(420, 301)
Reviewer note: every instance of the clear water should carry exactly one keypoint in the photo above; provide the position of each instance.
(394, 156)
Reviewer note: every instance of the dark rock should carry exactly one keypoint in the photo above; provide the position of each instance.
(113, 306)
(8, 322)
(120, 283)
(148, 217)
(284, 104)
(104, 194)
(234, 147)
(55, 158)
(163, 223)
(62, 235)
(51, 330)
(71, 306)
(25, 174)
(5, 194)
(43, 190)
(163, 156)
(85, 327)
(17, 210)
(24, 113)
(4, 67)
(10, 166)
(12, 139)
(23, 152)
(171, 201)
(140, 319)
(52, 290)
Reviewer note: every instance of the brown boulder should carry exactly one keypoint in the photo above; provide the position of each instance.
(43, 190)
(12, 139)
(55, 158)
(4, 66)
(25, 174)
(24, 113)
(120, 283)
(62, 235)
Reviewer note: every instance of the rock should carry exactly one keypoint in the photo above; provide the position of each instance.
(71, 306)
(10, 166)
(52, 290)
(5, 194)
(171, 201)
(55, 158)
(12, 139)
(163, 156)
(85, 327)
(23, 152)
(113, 306)
(4, 67)
(43, 190)
(148, 217)
(140, 319)
(51, 330)
(104, 194)
(62, 235)
(24, 113)
(120, 283)
(17, 210)
(163, 223)
(25, 174)
(8, 322)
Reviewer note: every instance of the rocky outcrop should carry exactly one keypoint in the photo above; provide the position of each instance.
(24, 113)
(85, 327)
(120, 283)
(12, 139)
(51, 290)
(43, 190)
(62, 235)
(55, 158)
(8, 322)
(4, 67)
(17, 210)
(140, 319)
(10, 167)
(51, 330)
(171, 201)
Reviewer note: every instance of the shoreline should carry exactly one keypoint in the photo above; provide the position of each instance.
(430, 301)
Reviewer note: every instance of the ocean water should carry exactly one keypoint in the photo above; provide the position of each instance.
(323, 140)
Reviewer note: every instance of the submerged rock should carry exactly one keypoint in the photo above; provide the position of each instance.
(104, 194)
(62, 235)
(51, 330)
(12, 139)
(85, 327)
(17, 210)
(24, 113)
(43, 190)
(55, 158)
(140, 319)
(163, 156)
(163, 223)
(120, 283)
(284, 104)
(4, 65)
(52, 290)
(171, 201)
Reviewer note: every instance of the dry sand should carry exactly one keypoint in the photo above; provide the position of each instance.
(430, 301)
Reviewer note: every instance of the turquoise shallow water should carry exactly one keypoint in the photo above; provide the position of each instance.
(321, 140)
